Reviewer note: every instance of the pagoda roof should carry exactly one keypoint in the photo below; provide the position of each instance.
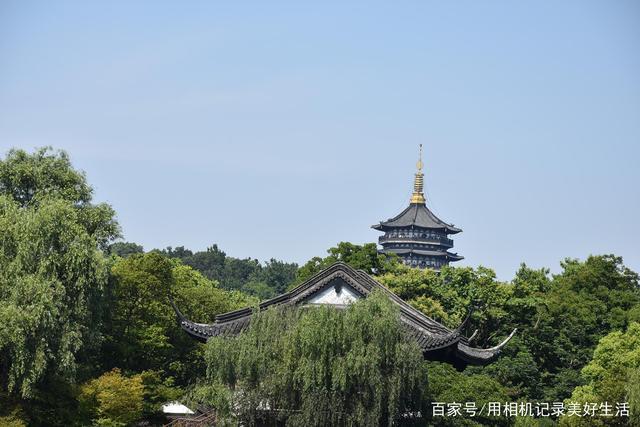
(449, 255)
(417, 215)
(436, 340)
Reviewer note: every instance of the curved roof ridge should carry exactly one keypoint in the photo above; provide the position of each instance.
(481, 355)
(431, 335)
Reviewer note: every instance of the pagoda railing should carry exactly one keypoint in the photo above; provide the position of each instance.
(415, 239)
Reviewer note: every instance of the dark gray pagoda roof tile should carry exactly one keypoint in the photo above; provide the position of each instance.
(449, 255)
(480, 356)
(417, 215)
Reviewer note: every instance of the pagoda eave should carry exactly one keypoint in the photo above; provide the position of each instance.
(446, 228)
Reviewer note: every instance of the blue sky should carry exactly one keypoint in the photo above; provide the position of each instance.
(279, 129)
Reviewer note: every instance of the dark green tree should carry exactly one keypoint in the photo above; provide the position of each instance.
(584, 303)
(611, 376)
(363, 257)
(125, 249)
(247, 274)
(142, 333)
(276, 275)
(446, 385)
(560, 318)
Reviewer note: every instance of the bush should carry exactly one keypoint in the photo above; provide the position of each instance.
(113, 399)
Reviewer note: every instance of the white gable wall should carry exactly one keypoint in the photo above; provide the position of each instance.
(337, 294)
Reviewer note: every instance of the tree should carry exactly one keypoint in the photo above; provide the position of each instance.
(142, 333)
(260, 290)
(322, 366)
(363, 257)
(137, 334)
(276, 275)
(517, 368)
(29, 178)
(449, 294)
(210, 262)
(611, 375)
(248, 275)
(560, 319)
(584, 303)
(52, 270)
(113, 399)
(125, 249)
(448, 385)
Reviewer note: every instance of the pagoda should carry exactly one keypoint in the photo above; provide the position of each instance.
(416, 235)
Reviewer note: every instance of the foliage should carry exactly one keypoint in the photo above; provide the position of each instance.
(611, 375)
(125, 249)
(12, 421)
(52, 271)
(138, 329)
(68, 312)
(53, 403)
(585, 302)
(113, 399)
(29, 178)
(142, 333)
(362, 257)
(560, 319)
(157, 391)
(633, 395)
(248, 275)
(322, 366)
(276, 275)
(448, 385)
(449, 295)
(12, 413)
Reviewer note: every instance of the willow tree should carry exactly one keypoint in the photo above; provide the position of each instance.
(319, 366)
(52, 271)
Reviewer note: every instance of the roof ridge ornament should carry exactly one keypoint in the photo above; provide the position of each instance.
(418, 183)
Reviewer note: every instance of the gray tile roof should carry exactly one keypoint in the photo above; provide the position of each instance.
(449, 255)
(418, 215)
(436, 340)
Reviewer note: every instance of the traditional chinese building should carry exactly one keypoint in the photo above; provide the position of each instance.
(340, 285)
(416, 235)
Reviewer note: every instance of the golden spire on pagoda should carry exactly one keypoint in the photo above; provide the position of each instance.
(418, 183)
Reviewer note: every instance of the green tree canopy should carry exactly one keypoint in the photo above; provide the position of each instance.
(52, 271)
(28, 178)
(585, 302)
(142, 332)
(113, 399)
(321, 366)
(448, 385)
(248, 275)
(611, 376)
(362, 257)
(124, 249)
(560, 318)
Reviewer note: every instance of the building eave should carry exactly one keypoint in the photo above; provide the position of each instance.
(434, 339)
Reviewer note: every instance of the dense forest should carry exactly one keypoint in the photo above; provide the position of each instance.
(88, 336)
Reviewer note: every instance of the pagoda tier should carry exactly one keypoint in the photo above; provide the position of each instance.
(416, 235)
